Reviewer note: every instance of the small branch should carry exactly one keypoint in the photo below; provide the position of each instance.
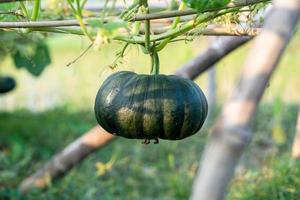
(78, 57)
(12, 13)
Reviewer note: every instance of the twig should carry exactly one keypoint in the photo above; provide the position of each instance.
(11, 13)
(84, 52)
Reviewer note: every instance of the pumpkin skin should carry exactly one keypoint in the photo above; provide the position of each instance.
(6, 84)
(150, 106)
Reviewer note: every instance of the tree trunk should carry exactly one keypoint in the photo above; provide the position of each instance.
(231, 133)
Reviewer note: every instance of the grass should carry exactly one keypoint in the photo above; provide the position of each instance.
(164, 171)
(280, 181)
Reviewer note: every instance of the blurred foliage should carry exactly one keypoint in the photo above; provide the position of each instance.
(34, 57)
(126, 169)
(201, 5)
(279, 181)
(28, 51)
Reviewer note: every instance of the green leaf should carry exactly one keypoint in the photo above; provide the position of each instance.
(202, 5)
(33, 57)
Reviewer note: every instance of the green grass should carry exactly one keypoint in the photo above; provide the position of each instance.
(164, 171)
(279, 181)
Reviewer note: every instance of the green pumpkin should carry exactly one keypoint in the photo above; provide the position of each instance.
(7, 84)
(150, 106)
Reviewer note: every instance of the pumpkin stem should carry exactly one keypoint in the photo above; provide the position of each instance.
(150, 49)
(154, 62)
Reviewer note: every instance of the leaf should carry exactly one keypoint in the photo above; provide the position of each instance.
(202, 5)
(33, 57)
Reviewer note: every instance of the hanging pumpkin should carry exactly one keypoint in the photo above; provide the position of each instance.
(150, 106)
(7, 84)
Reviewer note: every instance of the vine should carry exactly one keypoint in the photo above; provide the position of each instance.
(133, 25)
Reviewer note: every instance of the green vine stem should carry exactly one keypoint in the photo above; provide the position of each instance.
(36, 9)
(178, 31)
(24, 10)
(83, 4)
(137, 24)
(147, 47)
(59, 30)
(130, 10)
(154, 62)
(136, 28)
(34, 14)
(78, 15)
(147, 34)
(159, 47)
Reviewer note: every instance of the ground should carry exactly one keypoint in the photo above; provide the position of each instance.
(157, 171)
